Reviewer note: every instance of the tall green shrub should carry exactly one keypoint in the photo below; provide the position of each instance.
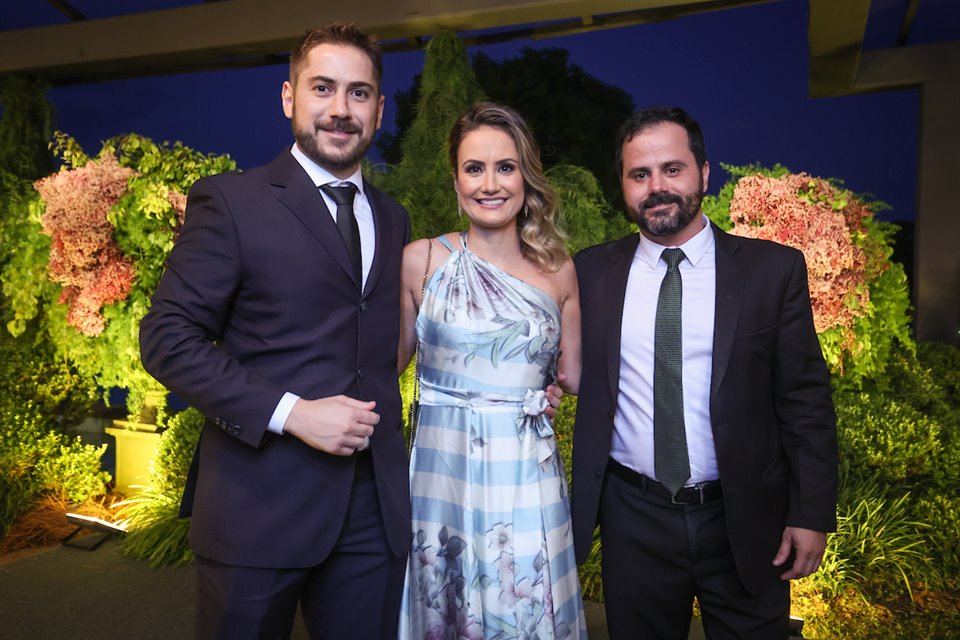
(423, 180)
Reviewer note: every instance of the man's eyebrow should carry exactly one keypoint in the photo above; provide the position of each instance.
(360, 84)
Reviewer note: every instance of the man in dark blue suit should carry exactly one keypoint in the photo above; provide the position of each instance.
(278, 318)
(705, 440)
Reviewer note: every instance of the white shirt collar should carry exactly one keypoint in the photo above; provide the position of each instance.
(321, 176)
(694, 248)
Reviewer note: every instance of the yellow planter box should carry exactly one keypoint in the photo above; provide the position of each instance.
(135, 451)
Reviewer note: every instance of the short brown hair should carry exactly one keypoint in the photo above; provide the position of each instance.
(653, 116)
(340, 32)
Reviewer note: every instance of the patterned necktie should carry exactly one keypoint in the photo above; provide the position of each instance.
(670, 439)
(347, 222)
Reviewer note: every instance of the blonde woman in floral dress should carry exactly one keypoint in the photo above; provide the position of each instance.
(492, 553)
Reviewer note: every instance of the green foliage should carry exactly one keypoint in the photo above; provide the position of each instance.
(943, 361)
(877, 550)
(942, 515)
(886, 325)
(41, 399)
(146, 220)
(24, 128)
(37, 458)
(25, 289)
(31, 375)
(886, 435)
(582, 208)
(589, 572)
(924, 379)
(155, 530)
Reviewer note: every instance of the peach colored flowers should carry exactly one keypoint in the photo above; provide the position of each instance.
(84, 257)
(822, 221)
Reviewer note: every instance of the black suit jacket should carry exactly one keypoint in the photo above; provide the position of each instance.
(259, 298)
(771, 410)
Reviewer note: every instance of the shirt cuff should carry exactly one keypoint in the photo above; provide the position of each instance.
(280, 414)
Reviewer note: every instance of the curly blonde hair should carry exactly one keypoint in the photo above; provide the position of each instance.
(540, 238)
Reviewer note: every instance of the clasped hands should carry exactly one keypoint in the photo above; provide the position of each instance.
(341, 426)
(338, 425)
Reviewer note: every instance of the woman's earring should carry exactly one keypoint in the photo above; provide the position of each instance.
(526, 212)
(459, 210)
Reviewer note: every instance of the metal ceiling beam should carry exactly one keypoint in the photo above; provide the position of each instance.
(67, 9)
(835, 35)
(251, 32)
(908, 16)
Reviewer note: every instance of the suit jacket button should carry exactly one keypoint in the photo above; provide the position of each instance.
(363, 306)
(360, 374)
(599, 473)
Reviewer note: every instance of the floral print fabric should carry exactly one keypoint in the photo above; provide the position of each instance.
(492, 551)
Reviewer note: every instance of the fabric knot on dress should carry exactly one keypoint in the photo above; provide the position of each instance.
(534, 419)
(535, 402)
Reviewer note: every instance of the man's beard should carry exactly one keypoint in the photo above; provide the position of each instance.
(343, 157)
(668, 222)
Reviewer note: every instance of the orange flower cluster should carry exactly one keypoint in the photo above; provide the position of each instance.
(821, 220)
(84, 257)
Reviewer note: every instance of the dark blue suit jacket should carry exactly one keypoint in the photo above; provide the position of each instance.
(259, 298)
(771, 410)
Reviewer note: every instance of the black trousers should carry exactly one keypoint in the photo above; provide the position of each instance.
(658, 556)
(354, 593)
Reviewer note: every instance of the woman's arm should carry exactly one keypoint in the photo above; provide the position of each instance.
(414, 263)
(570, 362)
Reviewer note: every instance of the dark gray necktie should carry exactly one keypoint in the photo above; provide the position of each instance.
(670, 438)
(347, 222)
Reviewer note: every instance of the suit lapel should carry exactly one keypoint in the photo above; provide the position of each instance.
(615, 290)
(383, 225)
(727, 308)
(303, 199)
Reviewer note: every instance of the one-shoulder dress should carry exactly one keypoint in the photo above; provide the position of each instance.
(492, 549)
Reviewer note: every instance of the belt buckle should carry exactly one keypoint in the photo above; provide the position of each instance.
(696, 487)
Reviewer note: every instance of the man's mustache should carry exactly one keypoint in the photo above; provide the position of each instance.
(659, 199)
(339, 125)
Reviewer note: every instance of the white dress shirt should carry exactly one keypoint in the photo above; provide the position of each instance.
(368, 236)
(633, 439)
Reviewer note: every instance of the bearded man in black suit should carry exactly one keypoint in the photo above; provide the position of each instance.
(705, 439)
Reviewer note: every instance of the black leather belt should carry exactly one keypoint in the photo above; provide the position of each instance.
(700, 493)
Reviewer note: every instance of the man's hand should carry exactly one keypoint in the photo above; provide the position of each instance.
(554, 395)
(338, 425)
(809, 546)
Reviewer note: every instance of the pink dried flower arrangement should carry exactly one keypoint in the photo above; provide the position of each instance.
(84, 257)
(821, 220)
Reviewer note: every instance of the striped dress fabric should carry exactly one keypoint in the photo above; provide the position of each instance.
(492, 548)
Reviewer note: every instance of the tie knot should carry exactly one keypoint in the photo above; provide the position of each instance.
(672, 257)
(342, 194)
